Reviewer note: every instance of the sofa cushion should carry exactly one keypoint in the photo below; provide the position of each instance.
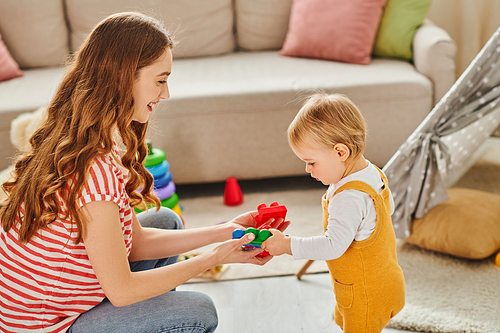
(336, 29)
(261, 24)
(202, 28)
(27, 93)
(35, 32)
(399, 23)
(24, 94)
(252, 97)
(9, 69)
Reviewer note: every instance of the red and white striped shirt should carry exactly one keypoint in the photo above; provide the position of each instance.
(46, 283)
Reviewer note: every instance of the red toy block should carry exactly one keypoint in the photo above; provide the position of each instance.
(273, 211)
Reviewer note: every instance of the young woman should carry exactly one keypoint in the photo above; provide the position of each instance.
(73, 254)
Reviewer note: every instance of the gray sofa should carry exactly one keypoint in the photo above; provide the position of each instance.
(232, 95)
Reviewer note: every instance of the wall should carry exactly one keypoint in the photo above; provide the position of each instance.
(469, 22)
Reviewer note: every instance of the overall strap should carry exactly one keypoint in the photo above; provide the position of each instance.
(362, 186)
(357, 185)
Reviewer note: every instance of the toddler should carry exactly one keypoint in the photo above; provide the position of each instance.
(359, 243)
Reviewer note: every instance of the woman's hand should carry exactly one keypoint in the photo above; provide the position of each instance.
(247, 220)
(232, 251)
(279, 224)
(243, 221)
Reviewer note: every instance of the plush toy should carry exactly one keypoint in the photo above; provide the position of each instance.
(4, 176)
(21, 129)
(213, 273)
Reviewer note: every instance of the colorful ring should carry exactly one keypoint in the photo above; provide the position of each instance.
(163, 181)
(178, 210)
(159, 170)
(165, 191)
(170, 202)
(156, 157)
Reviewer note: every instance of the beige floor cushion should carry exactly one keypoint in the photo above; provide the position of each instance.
(467, 225)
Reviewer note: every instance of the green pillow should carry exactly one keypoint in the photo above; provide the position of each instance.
(400, 20)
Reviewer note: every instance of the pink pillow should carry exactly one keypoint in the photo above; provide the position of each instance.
(9, 69)
(342, 30)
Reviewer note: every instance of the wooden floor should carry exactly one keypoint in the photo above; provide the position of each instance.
(273, 305)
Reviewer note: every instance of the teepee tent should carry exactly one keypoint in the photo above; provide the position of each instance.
(443, 145)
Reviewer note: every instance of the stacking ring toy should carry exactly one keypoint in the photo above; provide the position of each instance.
(159, 170)
(155, 157)
(163, 181)
(178, 210)
(171, 202)
(165, 191)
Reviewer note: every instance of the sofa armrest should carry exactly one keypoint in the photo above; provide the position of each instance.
(434, 56)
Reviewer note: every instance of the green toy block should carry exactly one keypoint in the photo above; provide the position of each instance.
(260, 235)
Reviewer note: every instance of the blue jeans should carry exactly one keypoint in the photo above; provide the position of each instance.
(174, 312)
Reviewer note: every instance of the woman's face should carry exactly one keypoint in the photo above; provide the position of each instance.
(151, 86)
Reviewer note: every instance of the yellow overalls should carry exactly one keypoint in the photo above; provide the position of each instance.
(367, 280)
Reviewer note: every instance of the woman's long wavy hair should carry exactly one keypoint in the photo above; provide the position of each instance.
(94, 100)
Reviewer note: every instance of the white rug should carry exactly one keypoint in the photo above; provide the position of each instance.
(444, 294)
(447, 294)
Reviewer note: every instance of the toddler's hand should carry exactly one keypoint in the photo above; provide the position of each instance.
(277, 244)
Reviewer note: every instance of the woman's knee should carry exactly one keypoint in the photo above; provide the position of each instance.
(193, 312)
(203, 308)
(174, 311)
(164, 218)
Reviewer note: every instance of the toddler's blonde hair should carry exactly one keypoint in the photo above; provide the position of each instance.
(329, 119)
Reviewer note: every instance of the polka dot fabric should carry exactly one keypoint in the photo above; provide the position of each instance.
(442, 146)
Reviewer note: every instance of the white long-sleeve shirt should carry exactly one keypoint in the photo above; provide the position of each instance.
(352, 216)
